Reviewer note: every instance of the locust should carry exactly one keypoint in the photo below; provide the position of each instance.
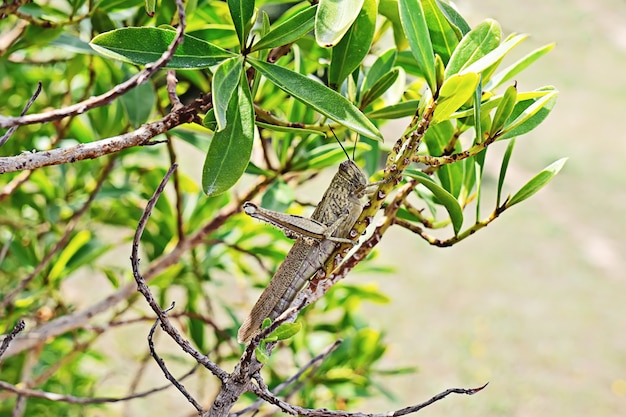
(315, 240)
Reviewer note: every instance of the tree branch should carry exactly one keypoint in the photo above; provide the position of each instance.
(117, 91)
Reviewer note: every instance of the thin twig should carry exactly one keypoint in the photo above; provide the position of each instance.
(321, 412)
(280, 387)
(27, 392)
(163, 367)
(12, 129)
(143, 288)
(19, 326)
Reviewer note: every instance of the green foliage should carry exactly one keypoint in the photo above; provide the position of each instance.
(274, 81)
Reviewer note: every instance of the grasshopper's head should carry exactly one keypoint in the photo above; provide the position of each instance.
(352, 174)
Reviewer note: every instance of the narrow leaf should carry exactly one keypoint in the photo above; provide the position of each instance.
(225, 81)
(518, 66)
(241, 12)
(347, 55)
(416, 30)
(454, 17)
(230, 148)
(505, 109)
(395, 111)
(144, 45)
(316, 95)
(150, 7)
(379, 88)
(333, 19)
(444, 198)
(537, 182)
(288, 31)
(442, 34)
(455, 91)
(529, 114)
(477, 43)
(496, 55)
(503, 168)
(383, 64)
(286, 330)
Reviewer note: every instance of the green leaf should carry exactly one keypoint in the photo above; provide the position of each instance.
(210, 121)
(225, 81)
(537, 182)
(395, 111)
(316, 95)
(529, 114)
(495, 56)
(285, 331)
(230, 148)
(518, 66)
(476, 44)
(146, 44)
(503, 168)
(289, 129)
(150, 7)
(437, 138)
(347, 55)
(333, 19)
(454, 18)
(505, 109)
(241, 11)
(442, 34)
(288, 31)
(60, 264)
(416, 30)
(138, 103)
(383, 64)
(445, 198)
(454, 92)
(324, 156)
(379, 88)
(261, 356)
(278, 196)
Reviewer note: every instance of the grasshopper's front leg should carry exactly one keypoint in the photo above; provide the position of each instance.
(295, 226)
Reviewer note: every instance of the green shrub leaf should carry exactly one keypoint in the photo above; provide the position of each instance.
(230, 148)
(333, 19)
(316, 95)
(416, 30)
(225, 81)
(349, 52)
(144, 45)
(288, 31)
(444, 198)
(454, 92)
(481, 40)
(537, 182)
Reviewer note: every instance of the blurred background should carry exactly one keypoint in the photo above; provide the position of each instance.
(536, 303)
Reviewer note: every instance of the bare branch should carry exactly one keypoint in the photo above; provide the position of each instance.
(117, 91)
(163, 367)
(143, 288)
(12, 129)
(322, 412)
(27, 392)
(311, 364)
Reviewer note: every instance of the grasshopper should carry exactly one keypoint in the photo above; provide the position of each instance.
(316, 238)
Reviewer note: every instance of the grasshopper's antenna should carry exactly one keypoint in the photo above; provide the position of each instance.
(339, 142)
